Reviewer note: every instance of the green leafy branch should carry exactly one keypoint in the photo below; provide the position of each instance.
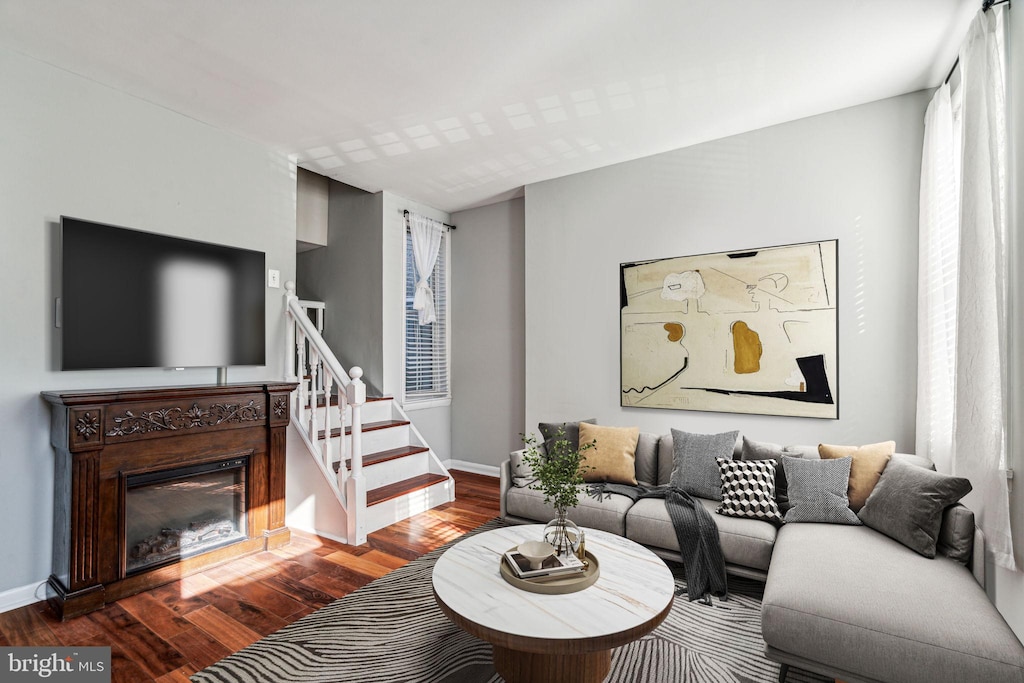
(559, 472)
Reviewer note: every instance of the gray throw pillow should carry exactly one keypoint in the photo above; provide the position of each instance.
(907, 504)
(694, 465)
(817, 490)
(549, 432)
(762, 450)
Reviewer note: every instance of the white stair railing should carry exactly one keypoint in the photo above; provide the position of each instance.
(312, 363)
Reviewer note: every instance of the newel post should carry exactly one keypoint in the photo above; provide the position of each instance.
(355, 485)
(289, 333)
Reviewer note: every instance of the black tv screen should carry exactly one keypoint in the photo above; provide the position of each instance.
(133, 299)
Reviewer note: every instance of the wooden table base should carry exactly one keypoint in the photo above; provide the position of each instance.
(516, 666)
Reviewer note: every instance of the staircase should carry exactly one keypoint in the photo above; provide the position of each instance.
(372, 457)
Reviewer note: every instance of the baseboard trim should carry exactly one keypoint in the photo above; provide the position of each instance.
(21, 596)
(322, 534)
(473, 467)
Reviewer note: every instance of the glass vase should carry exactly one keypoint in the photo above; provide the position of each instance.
(563, 534)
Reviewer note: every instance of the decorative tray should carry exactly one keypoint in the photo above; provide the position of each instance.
(554, 585)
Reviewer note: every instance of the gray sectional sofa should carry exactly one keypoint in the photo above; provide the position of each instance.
(843, 601)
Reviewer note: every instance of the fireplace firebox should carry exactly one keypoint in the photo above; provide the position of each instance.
(154, 484)
(178, 513)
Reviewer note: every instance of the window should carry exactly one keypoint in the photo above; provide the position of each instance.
(426, 346)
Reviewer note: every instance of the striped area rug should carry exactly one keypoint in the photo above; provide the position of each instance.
(391, 630)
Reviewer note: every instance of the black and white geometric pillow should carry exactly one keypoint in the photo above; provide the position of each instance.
(748, 489)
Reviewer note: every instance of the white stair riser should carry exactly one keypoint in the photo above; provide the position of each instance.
(382, 514)
(374, 411)
(380, 439)
(398, 469)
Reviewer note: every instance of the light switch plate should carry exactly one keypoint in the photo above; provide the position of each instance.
(273, 278)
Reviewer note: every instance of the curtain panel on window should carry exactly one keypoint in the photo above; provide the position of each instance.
(426, 242)
(938, 246)
(962, 316)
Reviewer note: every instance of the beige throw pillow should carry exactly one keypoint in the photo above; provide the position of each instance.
(866, 468)
(613, 457)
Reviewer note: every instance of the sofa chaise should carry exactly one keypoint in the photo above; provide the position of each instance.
(844, 601)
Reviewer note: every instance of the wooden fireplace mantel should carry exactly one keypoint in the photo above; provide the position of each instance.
(102, 437)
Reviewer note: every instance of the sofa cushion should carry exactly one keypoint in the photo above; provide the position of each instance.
(919, 460)
(956, 535)
(745, 542)
(613, 454)
(805, 452)
(647, 458)
(571, 432)
(607, 514)
(817, 490)
(855, 600)
(694, 468)
(908, 502)
(865, 469)
(522, 473)
(666, 459)
(748, 489)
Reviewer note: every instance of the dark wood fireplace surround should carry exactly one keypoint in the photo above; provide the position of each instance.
(103, 437)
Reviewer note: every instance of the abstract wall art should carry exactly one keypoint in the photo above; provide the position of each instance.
(751, 331)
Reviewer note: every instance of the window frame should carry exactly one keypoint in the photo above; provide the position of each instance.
(442, 296)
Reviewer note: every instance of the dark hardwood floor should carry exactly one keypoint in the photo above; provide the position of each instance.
(168, 633)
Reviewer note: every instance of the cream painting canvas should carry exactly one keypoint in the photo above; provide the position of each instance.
(748, 331)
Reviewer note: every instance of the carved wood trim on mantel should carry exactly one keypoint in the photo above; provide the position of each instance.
(99, 436)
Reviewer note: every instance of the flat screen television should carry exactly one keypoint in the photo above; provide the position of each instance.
(134, 299)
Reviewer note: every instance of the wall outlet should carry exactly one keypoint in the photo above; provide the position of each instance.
(273, 278)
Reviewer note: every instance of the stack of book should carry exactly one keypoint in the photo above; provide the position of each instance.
(554, 566)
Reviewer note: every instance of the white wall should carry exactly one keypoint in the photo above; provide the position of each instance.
(851, 174)
(1008, 587)
(488, 352)
(73, 147)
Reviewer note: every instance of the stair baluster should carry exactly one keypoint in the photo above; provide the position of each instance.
(314, 363)
(343, 449)
(327, 379)
(300, 353)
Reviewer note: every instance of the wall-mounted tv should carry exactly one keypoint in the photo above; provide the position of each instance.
(133, 299)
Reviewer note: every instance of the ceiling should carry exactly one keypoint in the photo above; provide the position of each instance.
(460, 103)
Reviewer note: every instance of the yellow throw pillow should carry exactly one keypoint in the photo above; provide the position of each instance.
(866, 468)
(613, 456)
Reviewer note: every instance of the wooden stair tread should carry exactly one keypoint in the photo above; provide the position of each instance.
(367, 427)
(400, 488)
(384, 456)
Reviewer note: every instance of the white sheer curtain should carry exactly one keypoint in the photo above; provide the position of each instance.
(938, 244)
(962, 363)
(426, 236)
(979, 438)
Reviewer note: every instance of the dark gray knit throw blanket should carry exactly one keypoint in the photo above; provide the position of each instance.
(695, 530)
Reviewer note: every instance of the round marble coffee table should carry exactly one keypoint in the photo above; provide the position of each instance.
(557, 638)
